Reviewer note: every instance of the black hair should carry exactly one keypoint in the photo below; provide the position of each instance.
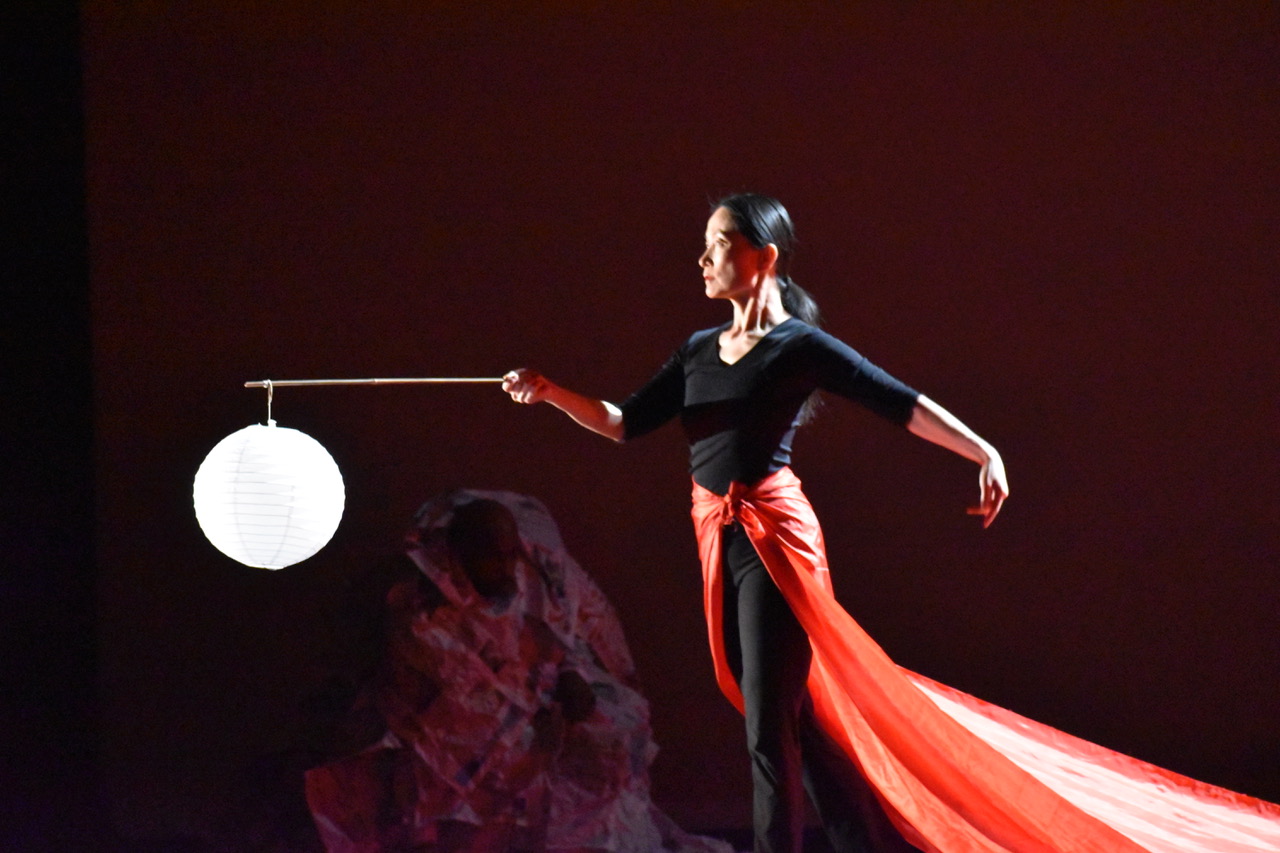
(763, 220)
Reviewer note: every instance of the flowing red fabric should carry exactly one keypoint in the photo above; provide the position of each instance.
(956, 774)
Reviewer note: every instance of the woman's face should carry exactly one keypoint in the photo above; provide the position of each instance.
(729, 263)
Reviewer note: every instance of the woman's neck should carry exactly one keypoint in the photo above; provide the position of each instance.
(757, 312)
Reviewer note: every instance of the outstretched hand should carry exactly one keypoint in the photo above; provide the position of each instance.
(599, 416)
(994, 488)
(525, 386)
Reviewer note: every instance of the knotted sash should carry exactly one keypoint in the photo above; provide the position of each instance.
(956, 774)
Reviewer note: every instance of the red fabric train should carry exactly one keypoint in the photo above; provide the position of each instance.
(954, 773)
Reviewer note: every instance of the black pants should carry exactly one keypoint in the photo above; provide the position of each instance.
(769, 654)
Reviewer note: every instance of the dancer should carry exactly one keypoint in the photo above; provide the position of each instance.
(825, 708)
(742, 390)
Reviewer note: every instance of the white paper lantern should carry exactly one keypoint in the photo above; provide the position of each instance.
(268, 496)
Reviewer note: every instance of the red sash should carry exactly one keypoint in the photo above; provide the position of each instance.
(954, 773)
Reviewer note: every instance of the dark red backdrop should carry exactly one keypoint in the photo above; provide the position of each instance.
(1060, 222)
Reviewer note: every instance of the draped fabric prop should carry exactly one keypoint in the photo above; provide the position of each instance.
(952, 772)
(469, 682)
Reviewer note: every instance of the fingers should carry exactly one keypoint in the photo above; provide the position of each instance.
(993, 508)
(988, 510)
(994, 491)
(524, 386)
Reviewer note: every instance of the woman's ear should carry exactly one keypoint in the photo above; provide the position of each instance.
(769, 258)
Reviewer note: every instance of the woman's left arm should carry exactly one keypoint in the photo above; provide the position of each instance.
(934, 423)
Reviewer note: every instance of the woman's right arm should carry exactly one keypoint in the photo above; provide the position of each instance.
(599, 416)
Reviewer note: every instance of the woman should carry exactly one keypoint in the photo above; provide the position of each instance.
(741, 431)
(825, 709)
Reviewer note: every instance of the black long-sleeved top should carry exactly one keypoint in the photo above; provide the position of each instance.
(740, 418)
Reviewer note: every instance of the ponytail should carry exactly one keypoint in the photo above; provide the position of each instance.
(798, 303)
